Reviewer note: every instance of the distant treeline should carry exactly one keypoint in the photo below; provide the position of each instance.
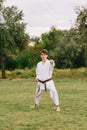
(67, 48)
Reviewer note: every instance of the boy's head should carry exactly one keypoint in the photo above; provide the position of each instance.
(44, 51)
(44, 54)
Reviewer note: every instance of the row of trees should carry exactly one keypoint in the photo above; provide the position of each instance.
(67, 47)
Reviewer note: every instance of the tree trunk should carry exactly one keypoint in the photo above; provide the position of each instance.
(3, 68)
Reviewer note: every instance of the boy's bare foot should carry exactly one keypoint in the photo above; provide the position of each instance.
(33, 106)
(58, 108)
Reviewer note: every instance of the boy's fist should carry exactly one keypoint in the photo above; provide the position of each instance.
(36, 79)
(52, 62)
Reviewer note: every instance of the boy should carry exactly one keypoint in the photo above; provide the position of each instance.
(44, 80)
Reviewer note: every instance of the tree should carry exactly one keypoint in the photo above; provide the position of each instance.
(68, 53)
(81, 25)
(52, 39)
(6, 42)
(12, 36)
(16, 26)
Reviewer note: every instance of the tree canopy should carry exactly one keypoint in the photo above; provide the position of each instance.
(13, 37)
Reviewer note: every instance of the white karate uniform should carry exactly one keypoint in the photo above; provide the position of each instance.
(44, 72)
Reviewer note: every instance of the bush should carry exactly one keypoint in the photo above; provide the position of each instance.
(58, 73)
(70, 73)
(26, 59)
(26, 73)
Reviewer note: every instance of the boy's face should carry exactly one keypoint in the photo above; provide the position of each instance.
(44, 56)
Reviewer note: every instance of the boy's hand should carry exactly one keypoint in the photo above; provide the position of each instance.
(52, 62)
(36, 79)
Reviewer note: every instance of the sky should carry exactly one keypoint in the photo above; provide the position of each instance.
(41, 15)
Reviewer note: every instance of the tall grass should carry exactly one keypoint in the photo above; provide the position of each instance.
(26, 73)
(58, 73)
(70, 73)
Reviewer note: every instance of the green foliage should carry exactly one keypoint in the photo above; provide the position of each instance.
(16, 26)
(70, 73)
(82, 22)
(81, 25)
(26, 59)
(2, 1)
(6, 41)
(17, 73)
(52, 39)
(68, 56)
(13, 38)
(11, 62)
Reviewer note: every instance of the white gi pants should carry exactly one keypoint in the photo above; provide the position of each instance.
(49, 86)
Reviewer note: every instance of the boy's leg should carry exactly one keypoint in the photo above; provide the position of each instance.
(54, 96)
(38, 96)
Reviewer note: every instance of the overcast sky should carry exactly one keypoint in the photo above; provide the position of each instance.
(41, 15)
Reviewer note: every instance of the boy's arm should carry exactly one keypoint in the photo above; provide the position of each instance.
(36, 74)
(52, 64)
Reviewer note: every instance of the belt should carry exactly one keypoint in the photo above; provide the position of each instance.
(44, 82)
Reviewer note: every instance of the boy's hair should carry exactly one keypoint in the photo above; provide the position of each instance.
(44, 51)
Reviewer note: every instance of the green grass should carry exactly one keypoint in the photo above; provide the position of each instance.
(16, 97)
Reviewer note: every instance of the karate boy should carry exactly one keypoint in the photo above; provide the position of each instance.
(44, 80)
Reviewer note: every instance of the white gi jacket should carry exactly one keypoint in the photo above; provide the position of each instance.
(44, 71)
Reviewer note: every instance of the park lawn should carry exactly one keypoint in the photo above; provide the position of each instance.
(16, 97)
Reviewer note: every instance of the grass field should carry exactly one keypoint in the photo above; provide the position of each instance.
(16, 97)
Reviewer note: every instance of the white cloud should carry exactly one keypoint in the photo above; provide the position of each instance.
(42, 14)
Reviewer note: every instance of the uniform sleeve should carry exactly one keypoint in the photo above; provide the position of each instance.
(37, 71)
(52, 68)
